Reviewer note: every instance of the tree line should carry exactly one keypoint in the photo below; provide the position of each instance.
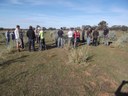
(100, 26)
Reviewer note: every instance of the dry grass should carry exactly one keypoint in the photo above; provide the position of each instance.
(121, 41)
(79, 55)
(46, 73)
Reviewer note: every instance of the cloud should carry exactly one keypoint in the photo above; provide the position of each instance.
(88, 9)
(41, 2)
(119, 10)
(74, 13)
(15, 2)
(74, 21)
(67, 21)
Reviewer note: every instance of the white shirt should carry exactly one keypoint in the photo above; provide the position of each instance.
(70, 34)
(6, 35)
(16, 33)
(36, 32)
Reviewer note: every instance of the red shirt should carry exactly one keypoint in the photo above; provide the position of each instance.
(77, 35)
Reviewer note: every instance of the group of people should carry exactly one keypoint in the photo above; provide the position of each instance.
(37, 36)
(89, 36)
(92, 36)
(74, 37)
(8, 36)
(16, 36)
(32, 34)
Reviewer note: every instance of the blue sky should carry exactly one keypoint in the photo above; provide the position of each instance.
(60, 13)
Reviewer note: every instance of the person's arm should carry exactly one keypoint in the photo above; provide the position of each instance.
(83, 33)
(108, 31)
(27, 34)
(58, 32)
(67, 33)
(93, 34)
(62, 33)
(22, 33)
(34, 35)
(79, 34)
(39, 34)
(118, 91)
(97, 34)
(15, 32)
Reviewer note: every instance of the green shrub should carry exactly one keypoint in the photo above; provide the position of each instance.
(112, 36)
(79, 55)
(121, 41)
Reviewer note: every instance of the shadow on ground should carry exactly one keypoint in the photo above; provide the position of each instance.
(6, 63)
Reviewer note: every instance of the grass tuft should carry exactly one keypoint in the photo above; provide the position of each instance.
(121, 41)
(79, 55)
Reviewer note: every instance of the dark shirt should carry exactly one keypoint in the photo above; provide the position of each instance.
(60, 33)
(95, 34)
(31, 34)
(13, 36)
(83, 33)
(8, 35)
(106, 31)
(21, 35)
(89, 33)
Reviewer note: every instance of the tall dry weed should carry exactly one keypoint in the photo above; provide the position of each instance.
(79, 55)
(121, 41)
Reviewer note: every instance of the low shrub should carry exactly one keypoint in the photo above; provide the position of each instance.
(121, 41)
(79, 55)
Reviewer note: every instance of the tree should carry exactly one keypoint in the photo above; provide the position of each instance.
(124, 28)
(86, 27)
(44, 28)
(37, 26)
(77, 28)
(102, 24)
(116, 27)
(94, 27)
(51, 28)
(119, 27)
(64, 28)
(1, 28)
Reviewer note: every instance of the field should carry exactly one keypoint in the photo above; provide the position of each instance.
(50, 72)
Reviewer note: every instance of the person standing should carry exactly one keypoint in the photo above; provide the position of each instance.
(17, 37)
(37, 38)
(56, 37)
(60, 38)
(106, 32)
(13, 37)
(7, 36)
(70, 37)
(31, 38)
(89, 36)
(95, 37)
(21, 39)
(76, 38)
(42, 39)
(83, 35)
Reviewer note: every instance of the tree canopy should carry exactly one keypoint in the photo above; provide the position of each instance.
(102, 24)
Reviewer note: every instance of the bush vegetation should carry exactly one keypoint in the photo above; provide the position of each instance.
(79, 55)
(121, 41)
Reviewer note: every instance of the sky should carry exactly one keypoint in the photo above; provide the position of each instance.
(62, 13)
